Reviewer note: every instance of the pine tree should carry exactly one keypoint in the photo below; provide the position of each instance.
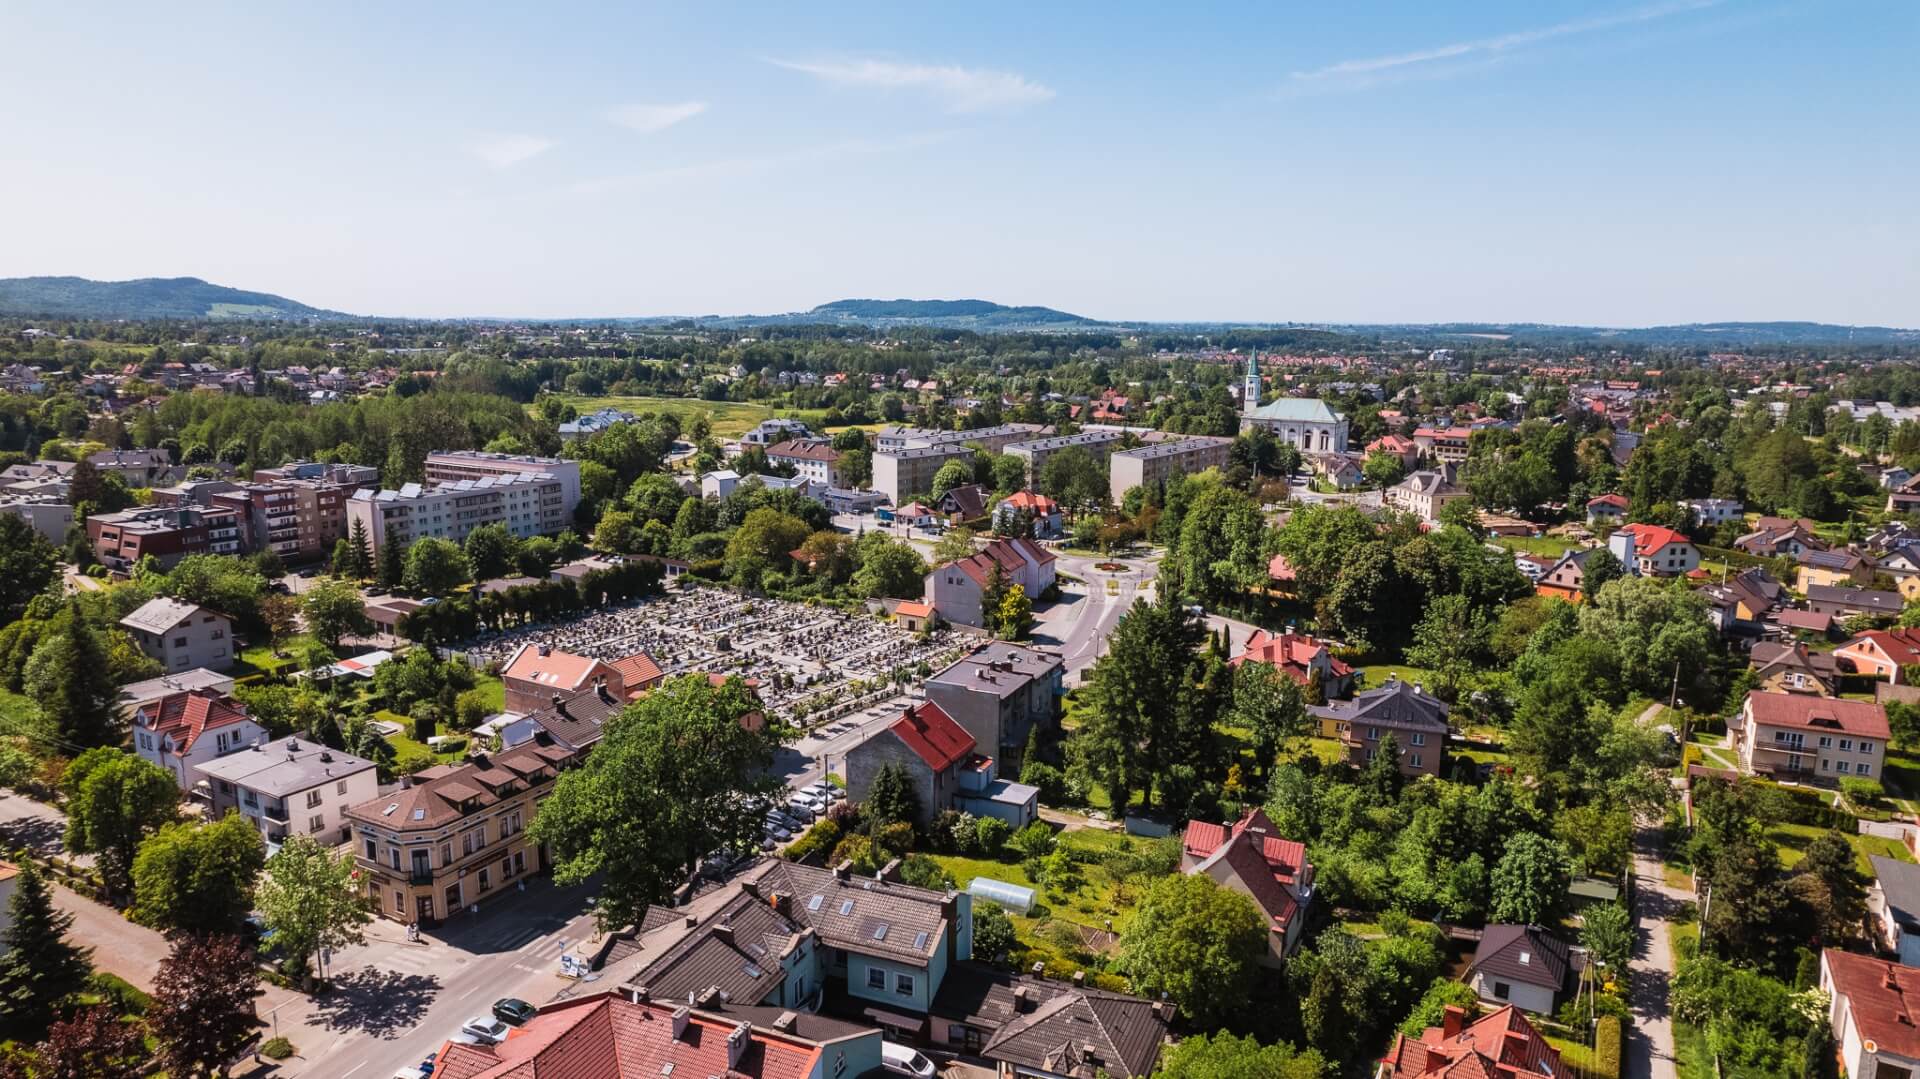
(393, 564)
(362, 550)
(40, 969)
(64, 676)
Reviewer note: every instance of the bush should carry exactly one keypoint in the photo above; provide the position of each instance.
(454, 744)
(1034, 841)
(923, 872)
(990, 835)
(821, 838)
(1049, 778)
(1606, 1048)
(123, 996)
(1862, 792)
(276, 1049)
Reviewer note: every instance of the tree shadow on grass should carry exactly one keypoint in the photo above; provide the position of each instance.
(378, 1002)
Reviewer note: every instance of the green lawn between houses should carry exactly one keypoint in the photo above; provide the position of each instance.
(1793, 840)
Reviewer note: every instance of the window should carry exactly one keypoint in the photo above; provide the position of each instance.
(1373, 734)
(373, 851)
(903, 984)
(316, 823)
(341, 787)
(313, 799)
(179, 642)
(1863, 768)
(876, 978)
(1419, 738)
(1826, 765)
(1414, 760)
(399, 900)
(1866, 747)
(1846, 745)
(1826, 742)
(1841, 767)
(446, 854)
(1501, 990)
(486, 880)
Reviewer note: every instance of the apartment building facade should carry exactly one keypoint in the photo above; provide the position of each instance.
(1805, 737)
(1097, 444)
(1162, 461)
(450, 466)
(528, 504)
(169, 534)
(292, 786)
(456, 836)
(181, 636)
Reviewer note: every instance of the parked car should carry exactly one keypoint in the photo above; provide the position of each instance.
(800, 811)
(485, 1029)
(513, 1011)
(905, 1060)
(776, 831)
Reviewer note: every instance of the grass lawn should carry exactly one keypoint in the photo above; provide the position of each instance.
(1544, 546)
(259, 658)
(494, 690)
(1575, 1054)
(1329, 750)
(728, 419)
(1793, 840)
(1375, 675)
(1676, 877)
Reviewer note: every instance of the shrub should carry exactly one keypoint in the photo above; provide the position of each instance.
(124, 997)
(922, 871)
(990, 835)
(454, 744)
(1862, 792)
(1034, 841)
(893, 840)
(1606, 1048)
(819, 839)
(276, 1049)
(1049, 778)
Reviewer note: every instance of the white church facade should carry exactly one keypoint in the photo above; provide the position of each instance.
(1304, 422)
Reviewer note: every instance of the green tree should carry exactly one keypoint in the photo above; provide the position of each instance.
(617, 533)
(1450, 639)
(1225, 1056)
(360, 564)
(1383, 469)
(198, 878)
(1432, 1008)
(435, 567)
(1601, 567)
(311, 900)
(1530, 880)
(891, 798)
(887, 568)
(1606, 930)
(1198, 943)
(1318, 541)
(1015, 615)
(27, 564)
(1137, 718)
(762, 544)
(1658, 630)
(1271, 705)
(1334, 983)
(953, 545)
(952, 474)
(1074, 479)
(335, 611)
(40, 968)
(115, 800)
(664, 786)
(993, 935)
(490, 551)
(63, 677)
(393, 563)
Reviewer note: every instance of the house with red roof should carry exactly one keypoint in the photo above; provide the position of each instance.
(1250, 857)
(638, 673)
(1882, 653)
(1607, 509)
(926, 742)
(1399, 446)
(538, 673)
(958, 590)
(1797, 736)
(1874, 1011)
(182, 731)
(1500, 1045)
(1300, 657)
(1653, 551)
(1043, 512)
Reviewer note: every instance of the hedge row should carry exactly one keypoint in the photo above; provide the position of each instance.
(1606, 1048)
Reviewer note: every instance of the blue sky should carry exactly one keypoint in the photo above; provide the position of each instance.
(1605, 163)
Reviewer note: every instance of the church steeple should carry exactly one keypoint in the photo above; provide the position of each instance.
(1250, 393)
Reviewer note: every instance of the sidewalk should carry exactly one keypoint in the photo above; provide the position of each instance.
(1650, 1042)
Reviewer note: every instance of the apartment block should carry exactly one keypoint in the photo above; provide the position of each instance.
(1098, 445)
(529, 504)
(1163, 461)
(903, 473)
(449, 466)
(290, 787)
(167, 533)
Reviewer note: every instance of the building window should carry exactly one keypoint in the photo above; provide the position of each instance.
(1373, 734)
(313, 799)
(341, 787)
(1414, 759)
(876, 978)
(486, 881)
(1846, 745)
(1841, 767)
(1501, 990)
(399, 901)
(1825, 741)
(316, 824)
(903, 984)
(373, 851)
(1863, 768)
(1826, 765)
(1866, 747)
(1419, 739)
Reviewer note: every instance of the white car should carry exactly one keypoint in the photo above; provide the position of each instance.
(905, 1060)
(485, 1029)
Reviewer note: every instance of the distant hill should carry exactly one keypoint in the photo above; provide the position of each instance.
(978, 315)
(1725, 335)
(148, 297)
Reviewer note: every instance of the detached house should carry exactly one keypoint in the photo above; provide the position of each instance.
(181, 731)
(1793, 668)
(1796, 736)
(1607, 509)
(1250, 857)
(1876, 1005)
(1299, 657)
(1840, 568)
(810, 458)
(1502, 1045)
(1521, 965)
(1881, 653)
(958, 589)
(1043, 512)
(924, 741)
(1416, 719)
(1894, 903)
(1566, 579)
(535, 673)
(181, 636)
(1653, 551)
(1847, 602)
(998, 692)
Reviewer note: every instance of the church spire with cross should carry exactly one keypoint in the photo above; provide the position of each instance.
(1250, 393)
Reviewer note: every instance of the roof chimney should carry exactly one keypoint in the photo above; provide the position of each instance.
(843, 870)
(711, 996)
(639, 994)
(1079, 979)
(737, 1043)
(1453, 1019)
(785, 1022)
(1021, 997)
(724, 932)
(546, 650)
(679, 1021)
(889, 873)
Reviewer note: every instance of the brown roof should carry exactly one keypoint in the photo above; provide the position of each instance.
(579, 720)
(550, 668)
(805, 449)
(435, 798)
(1048, 1025)
(1859, 718)
(1883, 997)
(1524, 954)
(637, 672)
(738, 949)
(851, 910)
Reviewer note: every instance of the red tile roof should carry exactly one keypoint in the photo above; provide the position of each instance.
(1883, 997)
(1290, 653)
(1029, 500)
(933, 736)
(1650, 538)
(559, 670)
(184, 717)
(1861, 718)
(806, 449)
(1616, 501)
(1902, 645)
(1267, 865)
(913, 610)
(1503, 1045)
(608, 1037)
(637, 672)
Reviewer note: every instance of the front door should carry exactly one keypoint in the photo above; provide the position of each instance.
(453, 899)
(423, 909)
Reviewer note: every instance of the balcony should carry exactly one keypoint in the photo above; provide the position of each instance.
(275, 813)
(420, 874)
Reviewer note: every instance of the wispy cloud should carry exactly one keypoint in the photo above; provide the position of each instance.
(505, 150)
(1366, 67)
(647, 119)
(963, 89)
(728, 168)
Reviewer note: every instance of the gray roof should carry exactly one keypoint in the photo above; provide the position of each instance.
(285, 767)
(1522, 953)
(169, 684)
(979, 671)
(1901, 883)
(737, 949)
(894, 921)
(1395, 704)
(1296, 410)
(1173, 449)
(1036, 1023)
(160, 614)
(1865, 599)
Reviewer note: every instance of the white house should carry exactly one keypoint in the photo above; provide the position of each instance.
(1424, 494)
(810, 458)
(181, 636)
(291, 787)
(182, 731)
(1653, 551)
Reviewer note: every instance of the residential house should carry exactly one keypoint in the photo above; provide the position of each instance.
(719, 483)
(638, 673)
(1653, 551)
(1566, 579)
(575, 723)
(1445, 444)
(1894, 904)
(1847, 602)
(958, 590)
(1881, 653)
(1406, 449)
(456, 835)
(967, 502)
(1424, 494)
(136, 695)
(1742, 602)
(1249, 856)
(1416, 719)
(1043, 1029)
(1776, 536)
(1521, 965)
(1342, 470)
(138, 468)
(998, 692)
(628, 1035)
(180, 635)
(1793, 621)
(810, 458)
(1875, 1006)
(593, 423)
(1533, 567)
(775, 431)
(1300, 657)
(1042, 513)
(1501, 1044)
(536, 673)
(1792, 668)
(1712, 512)
(292, 786)
(183, 730)
(1803, 737)
(1839, 568)
(924, 742)
(1607, 509)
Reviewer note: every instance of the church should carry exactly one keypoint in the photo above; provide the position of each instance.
(1298, 421)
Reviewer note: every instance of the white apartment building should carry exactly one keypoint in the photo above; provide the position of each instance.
(529, 504)
(449, 466)
(290, 787)
(1162, 461)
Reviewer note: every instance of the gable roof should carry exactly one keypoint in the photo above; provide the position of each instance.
(637, 672)
(549, 667)
(1883, 997)
(805, 449)
(1618, 502)
(1791, 656)
(1270, 867)
(436, 798)
(1522, 953)
(1649, 539)
(184, 717)
(581, 719)
(160, 614)
(1900, 883)
(1125, 1031)
(1296, 410)
(1033, 501)
(1501, 1045)
(1397, 703)
(1901, 645)
(1290, 653)
(968, 500)
(933, 736)
(1865, 599)
(1859, 718)
(872, 917)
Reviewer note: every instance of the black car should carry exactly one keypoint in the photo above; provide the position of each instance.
(513, 1011)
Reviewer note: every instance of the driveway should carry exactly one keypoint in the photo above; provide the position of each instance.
(36, 826)
(1650, 972)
